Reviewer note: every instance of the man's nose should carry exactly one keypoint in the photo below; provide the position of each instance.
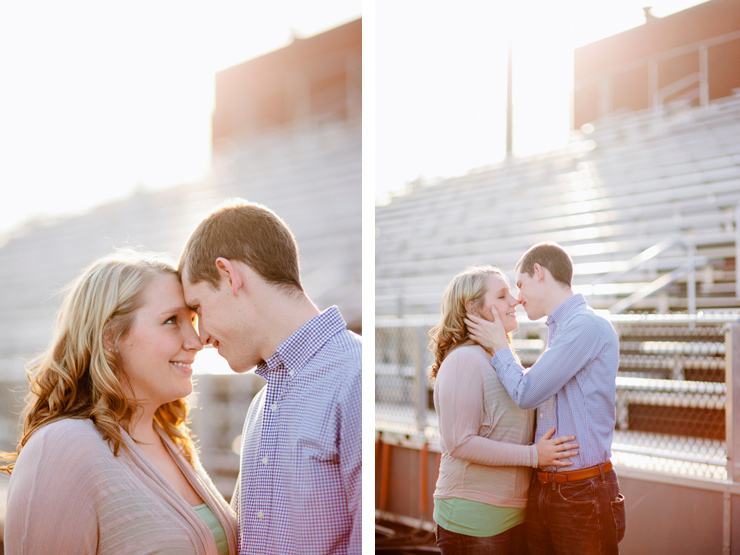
(205, 337)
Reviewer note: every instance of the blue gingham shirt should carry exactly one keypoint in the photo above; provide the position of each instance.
(573, 383)
(299, 487)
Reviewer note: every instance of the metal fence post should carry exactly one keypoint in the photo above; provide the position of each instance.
(420, 378)
(703, 75)
(605, 98)
(691, 281)
(732, 424)
(732, 405)
(653, 93)
(737, 249)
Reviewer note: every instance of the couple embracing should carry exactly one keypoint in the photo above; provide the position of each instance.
(487, 499)
(106, 463)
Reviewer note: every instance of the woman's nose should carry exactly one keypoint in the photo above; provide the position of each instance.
(192, 340)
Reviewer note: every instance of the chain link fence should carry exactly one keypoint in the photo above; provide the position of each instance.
(671, 387)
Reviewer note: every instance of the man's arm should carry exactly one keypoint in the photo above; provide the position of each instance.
(576, 345)
(350, 458)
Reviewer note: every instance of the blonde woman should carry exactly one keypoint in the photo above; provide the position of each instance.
(105, 463)
(486, 440)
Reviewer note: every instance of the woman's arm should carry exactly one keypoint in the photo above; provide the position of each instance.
(50, 507)
(461, 408)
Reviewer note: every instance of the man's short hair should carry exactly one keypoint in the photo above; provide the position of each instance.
(551, 256)
(248, 232)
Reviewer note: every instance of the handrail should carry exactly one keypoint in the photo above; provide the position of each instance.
(688, 267)
(678, 86)
(660, 57)
(636, 261)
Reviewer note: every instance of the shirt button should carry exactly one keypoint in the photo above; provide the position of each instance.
(264, 461)
(273, 407)
(260, 515)
(290, 372)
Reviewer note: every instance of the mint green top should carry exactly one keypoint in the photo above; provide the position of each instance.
(205, 512)
(475, 519)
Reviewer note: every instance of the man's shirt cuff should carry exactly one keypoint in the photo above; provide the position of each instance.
(502, 358)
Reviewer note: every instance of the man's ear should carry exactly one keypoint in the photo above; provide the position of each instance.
(230, 273)
(538, 271)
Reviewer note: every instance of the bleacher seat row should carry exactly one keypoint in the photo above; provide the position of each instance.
(629, 184)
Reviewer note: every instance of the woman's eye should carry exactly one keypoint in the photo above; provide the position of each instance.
(171, 320)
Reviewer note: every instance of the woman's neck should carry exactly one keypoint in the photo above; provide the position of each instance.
(141, 428)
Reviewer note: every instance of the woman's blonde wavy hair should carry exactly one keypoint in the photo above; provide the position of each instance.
(467, 286)
(77, 377)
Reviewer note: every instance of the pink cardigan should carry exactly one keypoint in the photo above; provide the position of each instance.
(484, 436)
(69, 494)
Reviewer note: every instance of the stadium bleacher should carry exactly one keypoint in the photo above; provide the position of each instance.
(646, 204)
(306, 165)
(645, 198)
(315, 190)
(622, 186)
(310, 178)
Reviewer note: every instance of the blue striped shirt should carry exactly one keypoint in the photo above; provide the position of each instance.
(299, 488)
(573, 383)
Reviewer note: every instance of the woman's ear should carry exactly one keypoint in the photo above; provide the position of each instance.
(471, 308)
(109, 342)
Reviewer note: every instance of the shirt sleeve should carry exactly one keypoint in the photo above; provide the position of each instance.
(461, 406)
(350, 458)
(576, 344)
(51, 503)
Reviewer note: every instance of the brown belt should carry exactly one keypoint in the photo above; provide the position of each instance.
(573, 475)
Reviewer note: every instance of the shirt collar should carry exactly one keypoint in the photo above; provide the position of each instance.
(566, 307)
(295, 352)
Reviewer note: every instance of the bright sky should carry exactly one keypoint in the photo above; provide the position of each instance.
(99, 98)
(441, 78)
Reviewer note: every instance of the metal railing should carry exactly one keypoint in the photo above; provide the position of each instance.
(674, 412)
(687, 269)
(656, 94)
